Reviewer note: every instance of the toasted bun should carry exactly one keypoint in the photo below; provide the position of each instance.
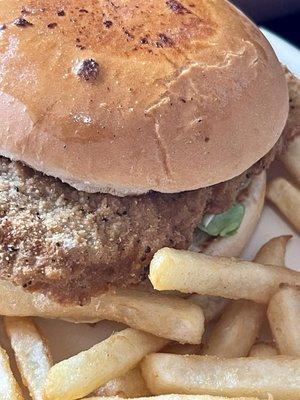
(233, 246)
(127, 97)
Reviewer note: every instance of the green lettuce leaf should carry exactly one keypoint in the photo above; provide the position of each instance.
(225, 224)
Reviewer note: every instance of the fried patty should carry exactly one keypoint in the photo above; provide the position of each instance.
(72, 245)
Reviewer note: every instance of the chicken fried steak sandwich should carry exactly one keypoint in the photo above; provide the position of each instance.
(127, 126)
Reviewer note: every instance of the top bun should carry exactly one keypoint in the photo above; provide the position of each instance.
(130, 96)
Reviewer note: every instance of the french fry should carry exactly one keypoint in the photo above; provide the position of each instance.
(165, 316)
(9, 388)
(80, 375)
(212, 306)
(191, 272)
(236, 330)
(263, 350)
(258, 377)
(273, 252)
(284, 319)
(178, 397)
(31, 352)
(129, 385)
(286, 197)
(291, 159)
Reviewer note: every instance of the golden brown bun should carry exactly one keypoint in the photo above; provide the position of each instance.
(181, 95)
(233, 246)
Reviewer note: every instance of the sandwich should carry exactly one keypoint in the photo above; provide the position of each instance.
(127, 127)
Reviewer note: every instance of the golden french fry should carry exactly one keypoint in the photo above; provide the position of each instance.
(291, 158)
(284, 319)
(31, 352)
(212, 306)
(78, 376)
(179, 397)
(9, 388)
(262, 350)
(236, 331)
(249, 376)
(191, 272)
(273, 252)
(165, 316)
(286, 197)
(129, 385)
(177, 348)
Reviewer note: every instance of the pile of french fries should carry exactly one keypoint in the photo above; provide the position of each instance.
(234, 331)
(201, 347)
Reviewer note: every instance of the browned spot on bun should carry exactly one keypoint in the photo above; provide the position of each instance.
(22, 22)
(177, 7)
(87, 69)
(108, 24)
(164, 40)
(52, 25)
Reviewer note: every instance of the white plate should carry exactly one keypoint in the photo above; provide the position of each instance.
(67, 339)
(286, 52)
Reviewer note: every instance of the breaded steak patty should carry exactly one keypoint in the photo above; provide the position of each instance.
(73, 245)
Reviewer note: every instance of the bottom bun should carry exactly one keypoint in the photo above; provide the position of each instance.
(233, 246)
